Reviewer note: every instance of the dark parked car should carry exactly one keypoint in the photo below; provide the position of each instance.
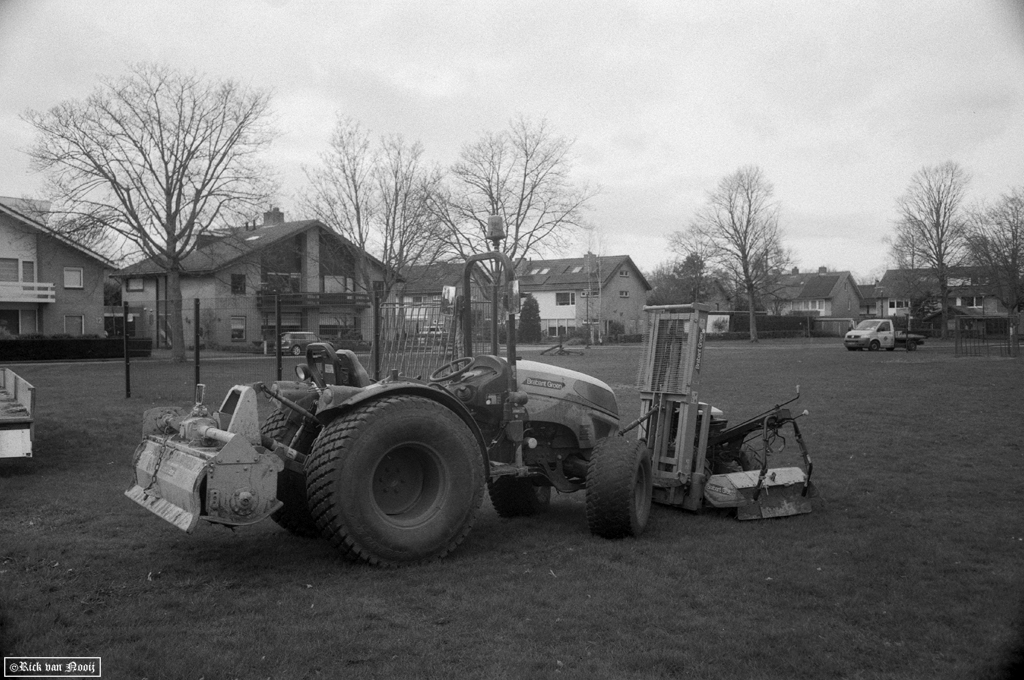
(349, 340)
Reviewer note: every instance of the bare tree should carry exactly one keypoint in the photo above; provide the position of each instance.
(378, 196)
(522, 174)
(695, 254)
(996, 242)
(932, 227)
(155, 159)
(741, 223)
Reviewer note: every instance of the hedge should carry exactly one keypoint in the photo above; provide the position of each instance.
(67, 348)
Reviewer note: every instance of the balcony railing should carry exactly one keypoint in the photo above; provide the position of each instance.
(265, 301)
(27, 292)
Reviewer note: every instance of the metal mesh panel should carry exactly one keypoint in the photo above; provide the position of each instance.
(664, 367)
(986, 336)
(416, 340)
(483, 327)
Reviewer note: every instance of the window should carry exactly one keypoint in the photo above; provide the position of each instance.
(577, 269)
(238, 328)
(73, 277)
(899, 304)
(977, 301)
(28, 271)
(8, 269)
(238, 284)
(417, 299)
(538, 270)
(565, 299)
(623, 293)
(135, 284)
(624, 274)
(74, 325)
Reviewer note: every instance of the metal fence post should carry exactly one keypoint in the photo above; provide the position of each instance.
(376, 333)
(195, 323)
(127, 361)
(277, 332)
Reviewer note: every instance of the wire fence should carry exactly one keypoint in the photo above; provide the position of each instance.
(987, 336)
(231, 341)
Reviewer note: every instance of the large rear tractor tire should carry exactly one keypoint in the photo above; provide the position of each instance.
(518, 497)
(282, 425)
(396, 481)
(619, 488)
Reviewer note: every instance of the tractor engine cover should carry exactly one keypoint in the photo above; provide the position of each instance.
(581, 402)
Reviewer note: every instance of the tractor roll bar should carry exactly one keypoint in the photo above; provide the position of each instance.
(467, 310)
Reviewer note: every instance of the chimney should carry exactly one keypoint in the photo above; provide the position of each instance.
(822, 270)
(273, 216)
(796, 270)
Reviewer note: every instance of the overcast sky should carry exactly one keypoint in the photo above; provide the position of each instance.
(838, 102)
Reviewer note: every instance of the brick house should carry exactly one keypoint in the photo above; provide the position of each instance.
(970, 292)
(238, 276)
(822, 294)
(608, 291)
(48, 283)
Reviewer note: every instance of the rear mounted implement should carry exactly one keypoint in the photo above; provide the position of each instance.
(194, 465)
(697, 460)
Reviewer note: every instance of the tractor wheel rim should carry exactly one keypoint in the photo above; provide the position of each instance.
(406, 483)
(641, 493)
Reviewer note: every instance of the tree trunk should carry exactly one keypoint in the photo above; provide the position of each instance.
(753, 318)
(944, 294)
(174, 318)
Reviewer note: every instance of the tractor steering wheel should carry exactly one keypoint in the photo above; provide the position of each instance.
(452, 370)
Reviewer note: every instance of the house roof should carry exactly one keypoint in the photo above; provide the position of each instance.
(216, 252)
(18, 209)
(866, 290)
(428, 279)
(914, 282)
(813, 285)
(572, 272)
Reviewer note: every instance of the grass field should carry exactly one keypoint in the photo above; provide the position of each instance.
(910, 566)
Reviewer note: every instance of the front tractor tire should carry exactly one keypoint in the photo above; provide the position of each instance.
(518, 497)
(282, 426)
(396, 481)
(619, 488)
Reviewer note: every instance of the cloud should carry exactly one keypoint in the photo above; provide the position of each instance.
(840, 103)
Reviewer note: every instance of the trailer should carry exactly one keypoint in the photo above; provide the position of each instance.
(17, 409)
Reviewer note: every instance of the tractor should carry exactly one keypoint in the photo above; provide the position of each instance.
(393, 472)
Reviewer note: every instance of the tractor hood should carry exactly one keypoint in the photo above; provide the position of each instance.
(556, 382)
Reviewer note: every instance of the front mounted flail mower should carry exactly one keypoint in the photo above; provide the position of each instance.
(698, 461)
